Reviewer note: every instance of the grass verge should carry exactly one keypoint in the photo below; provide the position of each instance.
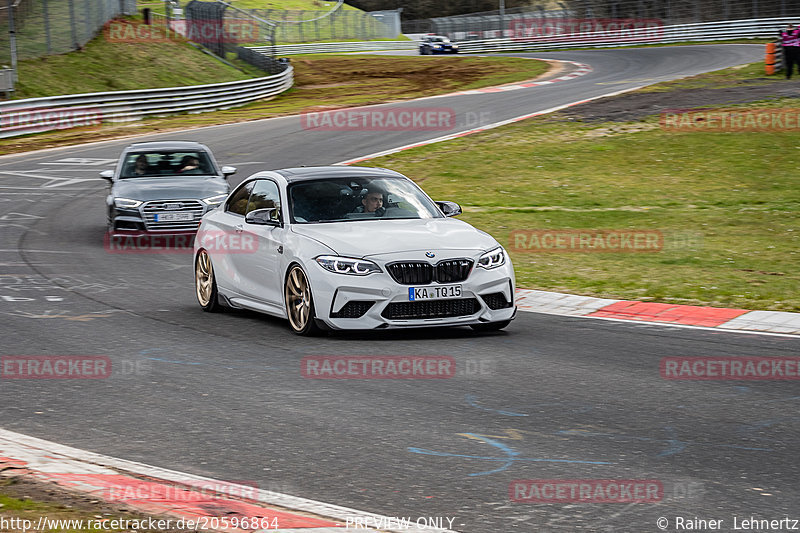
(727, 204)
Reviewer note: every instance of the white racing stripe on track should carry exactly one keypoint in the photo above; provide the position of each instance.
(464, 133)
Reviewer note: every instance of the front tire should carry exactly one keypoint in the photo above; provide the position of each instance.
(205, 284)
(299, 303)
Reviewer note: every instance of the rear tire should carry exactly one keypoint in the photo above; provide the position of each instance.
(299, 303)
(205, 283)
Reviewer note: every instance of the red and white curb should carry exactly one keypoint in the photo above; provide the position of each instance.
(161, 492)
(744, 320)
(581, 69)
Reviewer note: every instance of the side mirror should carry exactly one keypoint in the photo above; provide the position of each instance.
(228, 171)
(450, 209)
(263, 217)
(107, 175)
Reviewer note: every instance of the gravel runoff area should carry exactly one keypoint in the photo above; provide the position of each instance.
(637, 105)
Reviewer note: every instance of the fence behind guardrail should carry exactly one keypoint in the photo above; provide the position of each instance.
(56, 26)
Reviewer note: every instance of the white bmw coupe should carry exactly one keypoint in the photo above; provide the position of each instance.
(350, 248)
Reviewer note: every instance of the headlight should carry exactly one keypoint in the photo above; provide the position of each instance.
(347, 265)
(455, 46)
(437, 45)
(125, 203)
(493, 259)
(215, 200)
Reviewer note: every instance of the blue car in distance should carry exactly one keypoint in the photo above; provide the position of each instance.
(437, 44)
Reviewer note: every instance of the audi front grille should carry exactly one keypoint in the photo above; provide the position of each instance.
(159, 207)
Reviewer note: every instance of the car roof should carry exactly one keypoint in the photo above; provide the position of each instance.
(339, 171)
(166, 145)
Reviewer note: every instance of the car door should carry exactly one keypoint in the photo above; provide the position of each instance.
(260, 267)
(225, 223)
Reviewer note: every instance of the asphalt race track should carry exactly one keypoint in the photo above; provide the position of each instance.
(222, 395)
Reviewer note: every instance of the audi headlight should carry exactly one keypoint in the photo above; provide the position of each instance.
(215, 200)
(126, 203)
(347, 265)
(493, 259)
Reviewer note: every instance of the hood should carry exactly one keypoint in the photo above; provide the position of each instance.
(169, 188)
(384, 237)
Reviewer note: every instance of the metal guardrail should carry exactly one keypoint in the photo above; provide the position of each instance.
(319, 48)
(6, 80)
(706, 31)
(34, 115)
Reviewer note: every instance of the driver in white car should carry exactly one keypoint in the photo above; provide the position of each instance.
(372, 202)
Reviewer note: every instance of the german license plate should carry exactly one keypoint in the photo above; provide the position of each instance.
(174, 217)
(439, 292)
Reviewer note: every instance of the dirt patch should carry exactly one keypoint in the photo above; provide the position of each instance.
(635, 106)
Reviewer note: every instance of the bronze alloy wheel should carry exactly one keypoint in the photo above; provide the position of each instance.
(299, 303)
(205, 285)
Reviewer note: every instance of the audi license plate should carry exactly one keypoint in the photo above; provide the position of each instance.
(174, 217)
(434, 293)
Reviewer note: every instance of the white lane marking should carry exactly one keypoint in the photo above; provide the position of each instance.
(11, 250)
(83, 161)
(482, 128)
(18, 216)
(53, 181)
(31, 448)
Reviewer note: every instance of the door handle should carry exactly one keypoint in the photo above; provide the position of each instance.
(238, 228)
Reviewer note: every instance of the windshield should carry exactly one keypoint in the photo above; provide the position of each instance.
(349, 199)
(440, 39)
(151, 164)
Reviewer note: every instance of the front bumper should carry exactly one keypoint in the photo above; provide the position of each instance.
(377, 301)
(122, 221)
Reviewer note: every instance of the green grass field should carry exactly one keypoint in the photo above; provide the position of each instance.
(727, 204)
(116, 66)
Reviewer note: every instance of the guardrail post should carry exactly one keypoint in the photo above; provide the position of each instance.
(12, 42)
(73, 29)
(47, 27)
